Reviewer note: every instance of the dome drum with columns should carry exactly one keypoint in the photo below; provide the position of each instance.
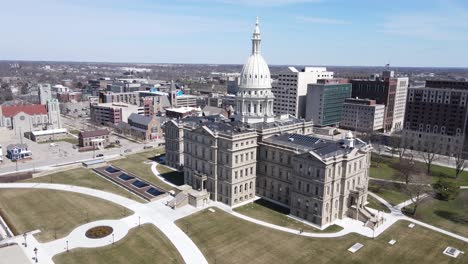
(254, 101)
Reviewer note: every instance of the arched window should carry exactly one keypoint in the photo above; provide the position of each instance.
(315, 207)
(235, 189)
(251, 184)
(240, 188)
(245, 187)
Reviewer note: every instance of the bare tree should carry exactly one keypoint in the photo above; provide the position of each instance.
(429, 155)
(399, 146)
(418, 189)
(460, 163)
(406, 170)
(379, 149)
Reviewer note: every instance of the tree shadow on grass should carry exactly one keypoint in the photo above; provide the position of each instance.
(452, 216)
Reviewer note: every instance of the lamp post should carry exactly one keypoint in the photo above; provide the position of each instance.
(35, 253)
(113, 240)
(67, 245)
(25, 243)
(139, 222)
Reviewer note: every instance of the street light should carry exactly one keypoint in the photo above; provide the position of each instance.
(25, 235)
(113, 239)
(67, 245)
(35, 252)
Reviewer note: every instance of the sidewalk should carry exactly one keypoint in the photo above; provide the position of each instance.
(156, 213)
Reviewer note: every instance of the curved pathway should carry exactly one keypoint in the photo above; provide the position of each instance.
(155, 213)
(156, 173)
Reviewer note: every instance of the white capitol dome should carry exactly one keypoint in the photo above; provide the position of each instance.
(254, 100)
(255, 73)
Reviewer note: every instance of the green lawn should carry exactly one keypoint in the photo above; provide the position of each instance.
(375, 204)
(226, 239)
(74, 131)
(384, 170)
(272, 213)
(391, 192)
(85, 178)
(55, 213)
(145, 244)
(135, 164)
(174, 177)
(449, 215)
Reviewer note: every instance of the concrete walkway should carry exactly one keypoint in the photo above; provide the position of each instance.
(156, 213)
(396, 214)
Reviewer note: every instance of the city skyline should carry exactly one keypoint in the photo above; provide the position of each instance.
(295, 32)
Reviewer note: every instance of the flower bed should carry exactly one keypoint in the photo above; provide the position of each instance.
(99, 232)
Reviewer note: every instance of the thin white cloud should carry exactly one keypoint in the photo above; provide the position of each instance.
(267, 2)
(427, 26)
(322, 20)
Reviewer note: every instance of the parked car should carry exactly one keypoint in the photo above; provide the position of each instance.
(127, 151)
(100, 155)
(147, 147)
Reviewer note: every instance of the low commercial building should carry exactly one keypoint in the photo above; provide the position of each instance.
(325, 101)
(182, 112)
(95, 139)
(145, 127)
(49, 135)
(69, 97)
(362, 115)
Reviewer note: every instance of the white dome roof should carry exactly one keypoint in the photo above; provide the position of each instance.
(255, 73)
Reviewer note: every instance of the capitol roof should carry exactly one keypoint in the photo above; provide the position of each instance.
(255, 73)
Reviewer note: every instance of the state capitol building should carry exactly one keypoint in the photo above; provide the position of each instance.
(257, 153)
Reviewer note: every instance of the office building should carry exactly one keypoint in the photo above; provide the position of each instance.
(325, 101)
(436, 117)
(389, 91)
(290, 89)
(114, 113)
(362, 115)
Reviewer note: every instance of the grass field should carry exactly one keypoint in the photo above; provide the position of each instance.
(145, 244)
(226, 239)
(385, 170)
(375, 204)
(55, 213)
(85, 178)
(135, 164)
(449, 215)
(391, 192)
(275, 214)
(74, 131)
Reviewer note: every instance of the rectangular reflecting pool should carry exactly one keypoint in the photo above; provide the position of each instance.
(126, 177)
(139, 184)
(154, 191)
(111, 170)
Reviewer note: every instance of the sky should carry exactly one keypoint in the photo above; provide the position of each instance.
(420, 33)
